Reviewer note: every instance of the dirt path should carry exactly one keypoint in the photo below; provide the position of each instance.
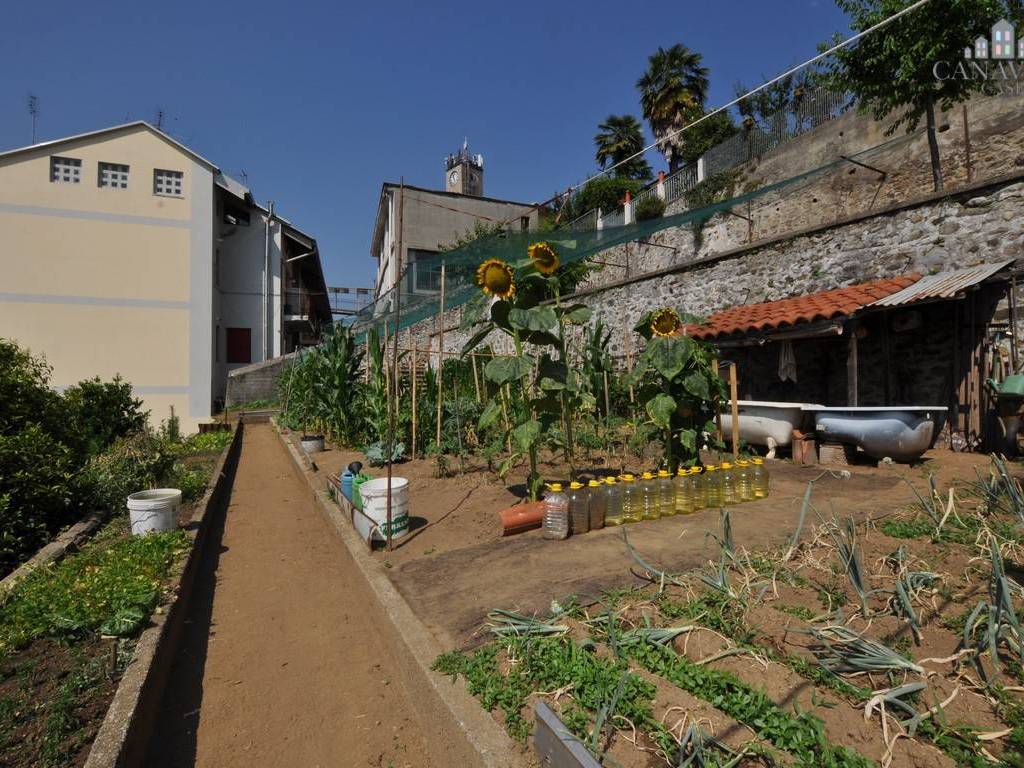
(279, 664)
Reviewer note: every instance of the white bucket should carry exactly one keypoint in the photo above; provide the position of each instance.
(374, 494)
(312, 444)
(155, 510)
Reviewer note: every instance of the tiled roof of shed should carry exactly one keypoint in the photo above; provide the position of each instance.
(774, 315)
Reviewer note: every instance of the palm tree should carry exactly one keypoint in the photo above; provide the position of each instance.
(620, 137)
(672, 94)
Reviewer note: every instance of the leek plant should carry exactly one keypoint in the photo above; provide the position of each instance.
(995, 621)
(840, 649)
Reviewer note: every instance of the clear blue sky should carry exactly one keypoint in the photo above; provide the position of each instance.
(319, 102)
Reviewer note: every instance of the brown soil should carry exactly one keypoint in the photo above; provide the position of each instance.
(30, 682)
(280, 664)
(454, 565)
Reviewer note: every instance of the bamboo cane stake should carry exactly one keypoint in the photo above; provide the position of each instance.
(414, 398)
(733, 386)
(440, 356)
(476, 377)
(393, 397)
(508, 425)
(629, 367)
(607, 402)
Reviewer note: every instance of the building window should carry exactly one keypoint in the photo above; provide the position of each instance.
(66, 170)
(113, 175)
(524, 223)
(424, 271)
(239, 345)
(167, 183)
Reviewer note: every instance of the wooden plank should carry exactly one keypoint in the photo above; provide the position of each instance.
(735, 409)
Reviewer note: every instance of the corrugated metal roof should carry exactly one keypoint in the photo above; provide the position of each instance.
(943, 285)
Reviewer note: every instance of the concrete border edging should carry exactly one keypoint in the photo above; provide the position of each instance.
(124, 735)
(472, 735)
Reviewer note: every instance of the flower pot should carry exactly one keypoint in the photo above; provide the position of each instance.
(312, 443)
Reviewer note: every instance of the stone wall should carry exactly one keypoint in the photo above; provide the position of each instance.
(836, 228)
(257, 381)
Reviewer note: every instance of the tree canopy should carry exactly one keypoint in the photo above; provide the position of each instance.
(620, 137)
(672, 94)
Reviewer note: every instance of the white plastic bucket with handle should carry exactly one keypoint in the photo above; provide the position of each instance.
(154, 510)
(374, 494)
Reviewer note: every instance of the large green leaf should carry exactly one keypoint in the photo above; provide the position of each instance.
(534, 319)
(526, 435)
(576, 313)
(660, 409)
(688, 439)
(474, 311)
(499, 314)
(669, 356)
(502, 370)
(697, 385)
(490, 415)
(477, 337)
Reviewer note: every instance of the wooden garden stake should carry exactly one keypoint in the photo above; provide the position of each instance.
(508, 426)
(733, 386)
(476, 378)
(607, 401)
(414, 397)
(393, 396)
(629, 367)
(718, 405)
(440, 357)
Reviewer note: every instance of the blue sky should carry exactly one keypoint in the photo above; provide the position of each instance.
(319, 102)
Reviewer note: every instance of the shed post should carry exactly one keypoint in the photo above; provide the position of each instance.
(851, 366)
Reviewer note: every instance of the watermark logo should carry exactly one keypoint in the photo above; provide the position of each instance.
(998, 59)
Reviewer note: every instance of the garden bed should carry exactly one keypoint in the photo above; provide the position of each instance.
(67, 630)
(742, 662)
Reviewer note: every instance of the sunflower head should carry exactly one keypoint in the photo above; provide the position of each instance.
(544, 257)
(495, 277)
(666, 322)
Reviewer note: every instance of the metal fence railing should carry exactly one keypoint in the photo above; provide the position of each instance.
(807, 110)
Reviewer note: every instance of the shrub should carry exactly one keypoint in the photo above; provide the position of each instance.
(605, 192)
(651, 207)
(207, 442)
(25, 394)
(38, 491)
(100, 412)
(131, 464)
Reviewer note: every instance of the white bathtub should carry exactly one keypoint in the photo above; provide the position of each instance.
(899, 432)
(763, 422)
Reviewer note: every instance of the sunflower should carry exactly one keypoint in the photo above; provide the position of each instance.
(665, 322)
(495, 277)
(544, 257)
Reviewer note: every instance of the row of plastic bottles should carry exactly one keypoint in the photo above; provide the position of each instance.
(628, 499)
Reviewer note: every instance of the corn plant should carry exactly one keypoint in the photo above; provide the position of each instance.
(840, 649)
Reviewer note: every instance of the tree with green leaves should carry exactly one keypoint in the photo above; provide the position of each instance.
(891, 71)
(618, 138)
(672, 94)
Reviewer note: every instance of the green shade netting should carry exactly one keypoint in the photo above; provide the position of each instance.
(572, 245)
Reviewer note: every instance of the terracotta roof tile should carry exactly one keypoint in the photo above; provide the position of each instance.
(826, 305)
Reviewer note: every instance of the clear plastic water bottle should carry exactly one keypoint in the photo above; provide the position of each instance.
(666, 494)
(650, 502)
(683, 492)
(632, 507)
(598, 502)
(727, 478)
(712, 487)
(613, 502)
(556, 513)
(744, 480)
(579, 514)
(759, 482)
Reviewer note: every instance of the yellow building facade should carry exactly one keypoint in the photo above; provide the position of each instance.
(108, 260)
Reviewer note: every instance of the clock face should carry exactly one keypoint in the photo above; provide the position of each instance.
(453, 177)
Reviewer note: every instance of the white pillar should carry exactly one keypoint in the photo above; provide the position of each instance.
(659, 189)
(701, 170)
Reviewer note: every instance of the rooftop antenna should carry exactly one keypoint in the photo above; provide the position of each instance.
(33, 111)
(245, 176)
(159, 121)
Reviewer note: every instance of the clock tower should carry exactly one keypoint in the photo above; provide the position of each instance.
(464, 173)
